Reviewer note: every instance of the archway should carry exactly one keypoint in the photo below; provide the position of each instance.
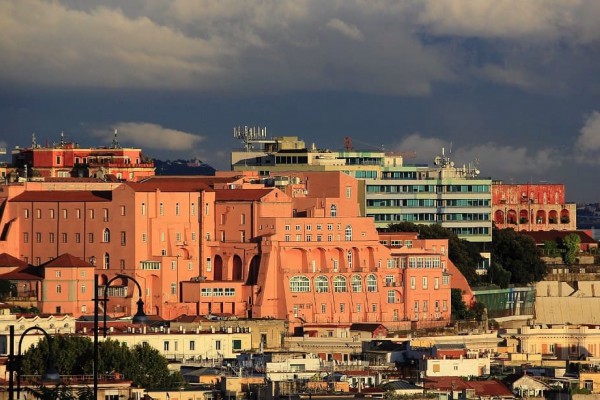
(499, 217)
(511, 217)
(540, 217)
(253, 271)
(238, 273)
(218, 269)
(565, 217)
(553, 217)
(523, 217)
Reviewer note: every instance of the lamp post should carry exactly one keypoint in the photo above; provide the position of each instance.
(140, 316)
(50, 375)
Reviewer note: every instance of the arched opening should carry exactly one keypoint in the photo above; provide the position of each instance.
(553, 217)
(106, 261)
(499, 217)
(253, 271)
(511, 217)
(523, 217)
(540, 217)
(218, 269)
(565, 218)
(238, 273)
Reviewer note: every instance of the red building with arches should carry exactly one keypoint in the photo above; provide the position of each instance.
(532, 207)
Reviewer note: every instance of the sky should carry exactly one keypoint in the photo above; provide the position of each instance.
(512, 86)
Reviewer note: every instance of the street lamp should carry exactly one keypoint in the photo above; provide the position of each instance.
(50, 375)
(140, 316)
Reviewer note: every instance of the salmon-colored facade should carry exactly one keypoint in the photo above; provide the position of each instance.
(231, 245)
(532, 207)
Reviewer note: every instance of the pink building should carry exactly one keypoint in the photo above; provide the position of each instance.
(227, 245)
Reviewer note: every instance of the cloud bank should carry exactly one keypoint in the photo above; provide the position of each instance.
(152, 136)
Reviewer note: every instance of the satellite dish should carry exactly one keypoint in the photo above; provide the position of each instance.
(452, 163)
(437, 160)
(477, 172)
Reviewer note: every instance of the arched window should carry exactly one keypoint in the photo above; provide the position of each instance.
(339, 284)
(321, 284)
(356, 283)
(371, 283)
(333, 210)
(349, 255)
(106, 261)
(299, 284)
(348, 233)
(106, 235)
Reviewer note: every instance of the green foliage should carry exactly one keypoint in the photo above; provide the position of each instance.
(463, 254)
(517, 254)
(74, 356)
(571, 244)
(551, 248)
(61, 392)
(497, 275)
(6, 289)
(458, 307)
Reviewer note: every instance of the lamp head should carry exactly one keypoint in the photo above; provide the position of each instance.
(51, 374)
(140, 316)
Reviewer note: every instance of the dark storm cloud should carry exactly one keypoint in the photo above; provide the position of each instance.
(512, 83)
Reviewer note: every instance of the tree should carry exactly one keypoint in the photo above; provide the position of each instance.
(571, 244)
(6, 289)
(457, 305)
(464, 255)
(74, 356)
(498, 275)
(518, 254)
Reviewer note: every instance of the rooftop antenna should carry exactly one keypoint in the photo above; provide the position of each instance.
(249, 134)
(115, 142)
(33, 141)
(62, 138)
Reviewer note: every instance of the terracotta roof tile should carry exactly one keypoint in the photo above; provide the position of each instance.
(543, 236)
(67, 260)
(6, 260)
(170, 185)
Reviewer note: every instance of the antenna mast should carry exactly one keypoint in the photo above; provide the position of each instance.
(248, 135)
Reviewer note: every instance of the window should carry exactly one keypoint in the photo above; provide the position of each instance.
(92, 214)
(51, 214)
(38, 213)
(26, 211)
(84, 309)
(173, 288)
(166, 345)
(161, 209)
(436, 283)
(106, 261)
(323, 308)
(83, 288)
(424, 282)
(77, 238)
(348, 233)
(178, 237)
(217, 345)
(374, 307)
(51, 237)
(57, 274)
(349, 256)
(38, 237)
(105, 212)
(78, 213)
(64, 238)
(206, 209)
(123, 238)
(358, 307)
(348, 192)
(371, 283)
(299, 284)
(287, 227)
(416, 306)
(192, 345)
(243, 236)
(58, 288)
(25, 237)
(329, 227)
(106, 235)
(333, 210)
(413, 282)
(339, 284)
(193, 236)
(193, 208)
(144, 237)
(143, 208)
(91, 237)
(329, 238)
(65, 213)
(390, 280)
(297, 227)
(236, 344)
(173, 265)
(356, 283)
(242, 218)
(177, 208)
(321, 284)
(309, 227)
(122, 211)
(309, 238)
(287, 238)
